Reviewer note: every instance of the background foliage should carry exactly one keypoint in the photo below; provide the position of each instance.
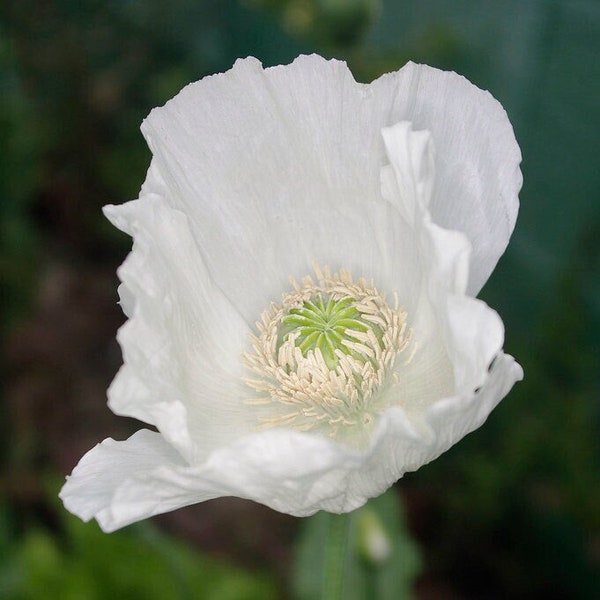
(512, 512)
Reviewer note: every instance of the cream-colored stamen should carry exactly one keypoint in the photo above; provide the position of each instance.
(324, 356)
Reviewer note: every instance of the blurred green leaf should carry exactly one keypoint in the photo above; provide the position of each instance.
(138, 563)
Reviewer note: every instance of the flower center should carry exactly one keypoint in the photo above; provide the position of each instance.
(330, 324)
(324, 357)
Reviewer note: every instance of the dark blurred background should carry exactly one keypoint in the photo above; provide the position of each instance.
(511, 512)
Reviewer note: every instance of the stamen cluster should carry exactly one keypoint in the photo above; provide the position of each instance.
(323, 357)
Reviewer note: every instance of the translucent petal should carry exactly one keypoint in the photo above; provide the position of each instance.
(89, 491)
(183, 341)
(410, 183)
(452, 418)
(281, 167)
(122, 482)
(455, 337)
(478, 178)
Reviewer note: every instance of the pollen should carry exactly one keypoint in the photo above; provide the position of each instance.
(324, 357)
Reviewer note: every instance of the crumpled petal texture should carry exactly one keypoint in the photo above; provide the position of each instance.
(411, 181)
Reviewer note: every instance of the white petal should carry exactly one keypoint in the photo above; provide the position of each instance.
(411, 156)
(119, 483)
(183, 342)
(111, 465)
(477, 172)
(445, 422)
(281, 166)
(423, 256)
(452, 418)
(296, 473)
(276, 168)
(399, 447)
(455, 336)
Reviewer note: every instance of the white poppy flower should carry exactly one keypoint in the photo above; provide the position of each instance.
(302, 323)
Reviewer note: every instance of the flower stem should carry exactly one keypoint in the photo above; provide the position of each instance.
(335, 557)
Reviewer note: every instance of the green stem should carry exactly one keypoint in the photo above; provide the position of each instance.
(335, 557)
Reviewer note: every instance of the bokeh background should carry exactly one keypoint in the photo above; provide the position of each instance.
(511, 512)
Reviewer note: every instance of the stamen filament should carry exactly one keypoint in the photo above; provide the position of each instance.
(328, 350)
